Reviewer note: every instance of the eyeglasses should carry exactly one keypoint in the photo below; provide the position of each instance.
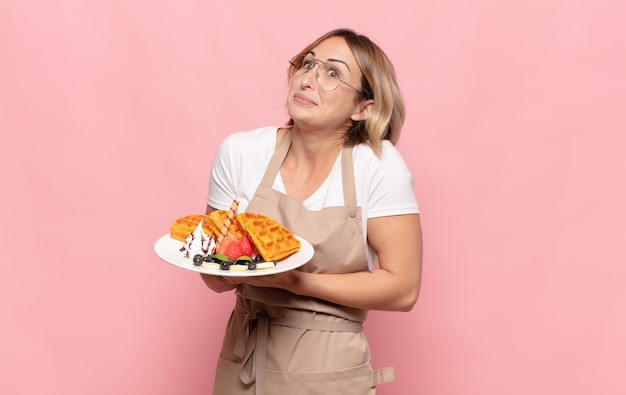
(328, 76)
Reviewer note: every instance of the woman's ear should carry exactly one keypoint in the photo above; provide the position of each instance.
(362, 111)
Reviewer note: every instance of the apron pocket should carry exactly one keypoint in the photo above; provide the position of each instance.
(227, 379)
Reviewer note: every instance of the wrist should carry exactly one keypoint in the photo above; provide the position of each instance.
(295, 282)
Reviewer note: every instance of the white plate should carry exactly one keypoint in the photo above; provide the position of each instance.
(168, 249)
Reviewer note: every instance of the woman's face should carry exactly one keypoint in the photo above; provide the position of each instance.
(310, 105)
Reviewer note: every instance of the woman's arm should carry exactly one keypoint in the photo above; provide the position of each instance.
(216, 283)
(397, 240)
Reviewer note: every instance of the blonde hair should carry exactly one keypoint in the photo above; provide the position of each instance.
(378, 84)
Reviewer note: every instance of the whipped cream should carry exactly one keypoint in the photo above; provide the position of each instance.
(197, 243)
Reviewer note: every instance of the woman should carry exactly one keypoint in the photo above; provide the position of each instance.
(333, 177)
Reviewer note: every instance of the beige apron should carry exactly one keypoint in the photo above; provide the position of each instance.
(278, 343)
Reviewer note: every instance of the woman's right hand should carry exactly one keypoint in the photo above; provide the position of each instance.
(217, 283)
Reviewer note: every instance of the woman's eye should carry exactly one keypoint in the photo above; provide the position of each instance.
(334, 74)
(308, 63)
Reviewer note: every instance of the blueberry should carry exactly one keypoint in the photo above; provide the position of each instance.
(258, 259)
(198, 259)
(224, 265)
(252, 265)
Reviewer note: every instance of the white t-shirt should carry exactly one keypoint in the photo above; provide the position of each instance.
(384, 185)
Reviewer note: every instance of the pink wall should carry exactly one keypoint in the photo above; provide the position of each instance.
(110, 112)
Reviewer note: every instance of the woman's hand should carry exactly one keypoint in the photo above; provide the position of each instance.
(286, 280)
(217, 283)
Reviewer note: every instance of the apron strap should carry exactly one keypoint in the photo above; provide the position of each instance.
(277, 160)
(328, 326)
(254, 350)
(382, 376)
(347, 178)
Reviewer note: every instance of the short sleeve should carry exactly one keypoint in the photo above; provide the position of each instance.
(389, 184)
(221, 183)
(239, 165)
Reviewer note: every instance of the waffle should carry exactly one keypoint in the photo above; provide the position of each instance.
(184, 226)
(272, 241)
(214, 222)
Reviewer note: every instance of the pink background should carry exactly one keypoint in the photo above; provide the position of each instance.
(110, 112)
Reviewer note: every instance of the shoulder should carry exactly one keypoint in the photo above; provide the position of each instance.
(251, 139)
(385, 181)
(248, 146)
(243, 150)
(389, 158)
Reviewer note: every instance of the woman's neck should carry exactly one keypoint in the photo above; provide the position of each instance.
(314, 146)
(309, 161)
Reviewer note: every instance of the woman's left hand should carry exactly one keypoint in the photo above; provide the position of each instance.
(285, 280)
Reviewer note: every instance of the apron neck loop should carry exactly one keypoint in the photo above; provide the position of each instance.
(347, 169)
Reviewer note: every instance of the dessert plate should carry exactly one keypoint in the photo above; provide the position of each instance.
(168, 249)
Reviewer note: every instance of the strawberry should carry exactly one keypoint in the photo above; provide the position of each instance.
(233, 250)
(246, 246)
(225, 242)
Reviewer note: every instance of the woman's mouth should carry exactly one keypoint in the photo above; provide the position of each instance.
(302, 99)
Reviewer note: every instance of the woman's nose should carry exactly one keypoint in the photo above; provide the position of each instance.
(308, 78)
